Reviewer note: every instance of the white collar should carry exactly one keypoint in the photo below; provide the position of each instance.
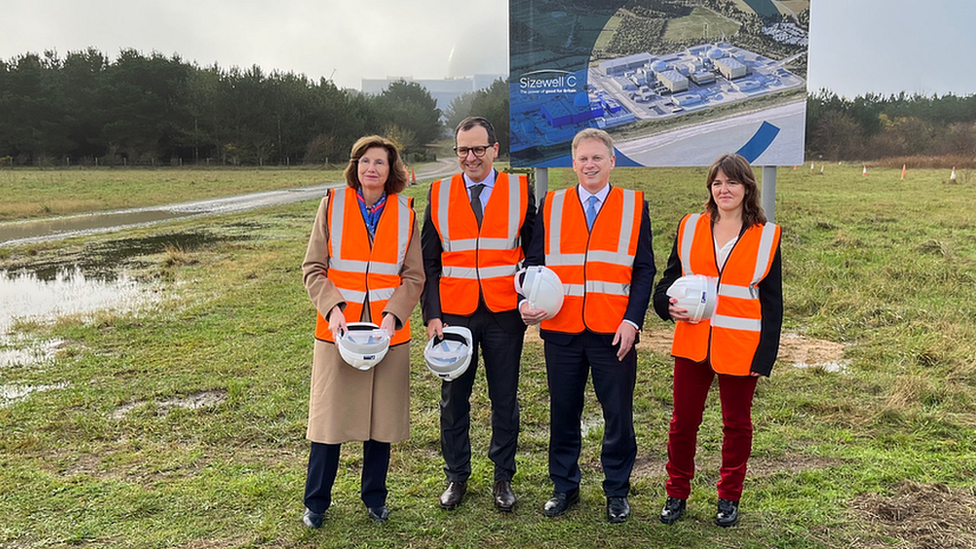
(487, 182)
(600, 195)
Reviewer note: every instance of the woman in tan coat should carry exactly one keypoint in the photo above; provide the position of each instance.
(363, 264)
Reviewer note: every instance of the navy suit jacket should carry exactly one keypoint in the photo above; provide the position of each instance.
(642, 277)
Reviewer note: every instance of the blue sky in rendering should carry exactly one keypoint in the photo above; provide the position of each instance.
(857, 46)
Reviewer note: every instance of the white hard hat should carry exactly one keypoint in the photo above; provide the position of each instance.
(697, 294)
(449, 357)
(542, 288)
(363, 344)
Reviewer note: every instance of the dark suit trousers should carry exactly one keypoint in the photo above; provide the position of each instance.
(569, 360)
(498, 339)
(323, 465)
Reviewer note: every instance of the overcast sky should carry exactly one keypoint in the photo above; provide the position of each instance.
(857, 46)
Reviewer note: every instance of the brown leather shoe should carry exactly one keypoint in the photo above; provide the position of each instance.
(504, 497)
(452, 497)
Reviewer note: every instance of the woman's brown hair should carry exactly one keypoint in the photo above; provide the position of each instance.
(736, 169)
(396, 181)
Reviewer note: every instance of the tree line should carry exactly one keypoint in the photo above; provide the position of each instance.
(151, 109)
(873, 126)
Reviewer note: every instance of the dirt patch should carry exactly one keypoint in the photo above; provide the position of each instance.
(927, 516)
(649, 467)
(214, 544)
(78, 464)
(203, 399)
(807, 352)
(798, 350)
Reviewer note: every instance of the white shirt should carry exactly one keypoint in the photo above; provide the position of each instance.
(722, 254)
(601, 196)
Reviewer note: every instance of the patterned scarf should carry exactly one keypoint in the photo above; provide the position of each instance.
(371, 215)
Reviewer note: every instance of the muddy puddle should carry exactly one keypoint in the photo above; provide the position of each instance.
(12, 393)
(99, 277)
(29, 231)
(102, 276)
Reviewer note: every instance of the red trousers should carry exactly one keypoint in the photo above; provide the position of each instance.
(691, 383)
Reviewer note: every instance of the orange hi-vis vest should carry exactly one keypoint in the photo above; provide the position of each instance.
(595, 266)
(730, 339)
(479, 262)
(365, 272)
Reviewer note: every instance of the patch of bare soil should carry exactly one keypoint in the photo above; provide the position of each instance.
(805, 352)
(645, 466)
(203, 399)
(926, 516)
(213, 544)
(801, 351)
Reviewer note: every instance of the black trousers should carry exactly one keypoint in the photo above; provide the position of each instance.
(569, 361)
(498, 339)
(323, 465)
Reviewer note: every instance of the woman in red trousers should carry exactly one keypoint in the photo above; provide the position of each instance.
(732, 244)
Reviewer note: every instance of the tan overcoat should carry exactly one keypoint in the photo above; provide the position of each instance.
(347, 404)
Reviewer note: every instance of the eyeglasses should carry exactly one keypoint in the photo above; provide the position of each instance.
(462, 152)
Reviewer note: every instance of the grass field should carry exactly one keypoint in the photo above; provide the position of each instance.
(879, 454)
(607, 33)
(28, 193)
(692, 26)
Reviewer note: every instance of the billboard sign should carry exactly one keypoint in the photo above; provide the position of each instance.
(676, 82)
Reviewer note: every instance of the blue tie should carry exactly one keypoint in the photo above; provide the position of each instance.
(591, 211)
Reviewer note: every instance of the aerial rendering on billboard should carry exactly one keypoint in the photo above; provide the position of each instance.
(676, 82)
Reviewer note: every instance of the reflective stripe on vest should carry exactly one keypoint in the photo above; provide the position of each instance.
(364, 271)
(479, 261)
(730, 339)
(595, 266)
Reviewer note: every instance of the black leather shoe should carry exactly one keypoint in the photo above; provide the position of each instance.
(379, 514)
(560, 502)
(503, 495)
(673, 508)
(312, 519)
(618, 509)
(452, 497)
(728, 513)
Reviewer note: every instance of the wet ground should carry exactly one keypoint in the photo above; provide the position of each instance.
(100, 276)
(24, 232)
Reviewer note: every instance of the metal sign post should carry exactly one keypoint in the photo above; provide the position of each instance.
(541, 183)
(769, 192)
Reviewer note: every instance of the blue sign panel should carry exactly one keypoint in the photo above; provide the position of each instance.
(676, 82)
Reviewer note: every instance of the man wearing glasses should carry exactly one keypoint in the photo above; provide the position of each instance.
(476, 230)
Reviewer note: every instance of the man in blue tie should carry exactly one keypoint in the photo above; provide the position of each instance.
(597, 238)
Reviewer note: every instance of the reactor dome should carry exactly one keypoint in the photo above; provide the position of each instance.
(480, 49)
